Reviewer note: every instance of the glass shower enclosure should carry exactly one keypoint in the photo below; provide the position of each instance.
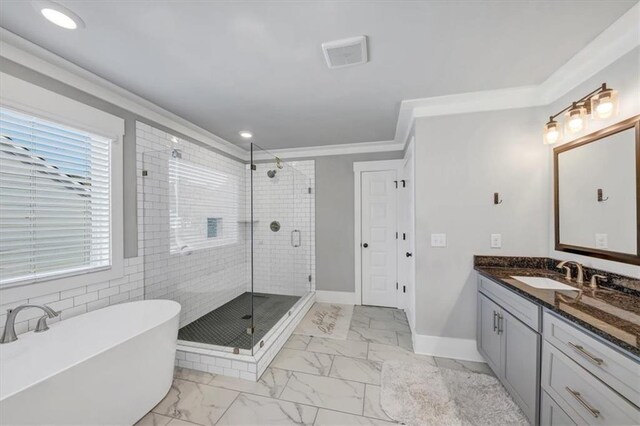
(229, 241)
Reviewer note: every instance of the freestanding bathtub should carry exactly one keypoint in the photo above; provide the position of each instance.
(106, 367)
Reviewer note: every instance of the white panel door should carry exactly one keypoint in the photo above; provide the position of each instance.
(379, 238)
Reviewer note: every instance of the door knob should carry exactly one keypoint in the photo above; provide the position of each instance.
(409, 254)
(365, 245)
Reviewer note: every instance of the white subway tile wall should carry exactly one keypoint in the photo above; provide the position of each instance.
(279, 267)
(79, 300)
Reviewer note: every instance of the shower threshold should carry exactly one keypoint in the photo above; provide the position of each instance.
(250, 363)
(230, 324)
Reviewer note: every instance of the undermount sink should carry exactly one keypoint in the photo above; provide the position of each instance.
(544, 283)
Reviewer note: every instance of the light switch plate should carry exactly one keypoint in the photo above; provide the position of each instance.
(496, 240)
(602, 241)
(438, 240)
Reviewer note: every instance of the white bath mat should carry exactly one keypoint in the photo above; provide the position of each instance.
(330, 320)
(421, 394)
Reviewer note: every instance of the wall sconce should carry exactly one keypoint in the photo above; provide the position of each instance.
(601, 103)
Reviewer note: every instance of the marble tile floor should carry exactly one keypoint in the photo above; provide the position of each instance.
(312, 381)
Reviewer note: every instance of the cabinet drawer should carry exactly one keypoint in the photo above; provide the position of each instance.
(551, 414)
(620, 372)
(582, 396)
(526, 311)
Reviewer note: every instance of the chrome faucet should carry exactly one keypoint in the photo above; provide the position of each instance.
(9, 333)
(579, 277)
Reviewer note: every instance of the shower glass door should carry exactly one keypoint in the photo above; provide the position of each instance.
(280, 240)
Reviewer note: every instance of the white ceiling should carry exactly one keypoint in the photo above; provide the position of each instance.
(257, 65)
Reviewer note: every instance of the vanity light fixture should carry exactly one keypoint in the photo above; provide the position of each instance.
(601, 103)
(59, 15)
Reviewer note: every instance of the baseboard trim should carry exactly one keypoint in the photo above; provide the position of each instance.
(447, 347)
(342, 297)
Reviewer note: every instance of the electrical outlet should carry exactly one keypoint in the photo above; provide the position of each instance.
(602, 241)
(438, 240)
(496, 240)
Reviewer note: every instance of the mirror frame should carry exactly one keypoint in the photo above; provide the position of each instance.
(630, 123)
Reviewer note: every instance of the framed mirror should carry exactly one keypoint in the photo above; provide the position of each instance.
(597, 192)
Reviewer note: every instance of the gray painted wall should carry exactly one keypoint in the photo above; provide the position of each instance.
(461, 160)
(334, 219)
(129, 146)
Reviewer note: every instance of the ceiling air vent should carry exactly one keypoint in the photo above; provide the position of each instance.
(346, 52)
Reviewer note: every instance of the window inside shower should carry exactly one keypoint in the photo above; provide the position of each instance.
(211, 243)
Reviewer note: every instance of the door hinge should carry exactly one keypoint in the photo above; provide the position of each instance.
(309, 190)
(396, 286)
(404, 183)
(404, 288)
(396, 235)
(404, 236)
(253, 167)
(145, 173)
(396, 182)
(309, 278)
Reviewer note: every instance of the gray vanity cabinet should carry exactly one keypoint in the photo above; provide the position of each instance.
(489, 339)
(520, 361)
(510, 347)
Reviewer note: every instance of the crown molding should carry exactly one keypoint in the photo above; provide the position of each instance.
(32, 56)
(616, 41)
(325, 150)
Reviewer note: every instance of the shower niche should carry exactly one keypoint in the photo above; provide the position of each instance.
(232, 242)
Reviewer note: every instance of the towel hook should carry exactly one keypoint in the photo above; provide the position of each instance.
(496, 198)
(600, 197)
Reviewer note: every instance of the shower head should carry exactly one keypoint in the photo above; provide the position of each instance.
(271, 173)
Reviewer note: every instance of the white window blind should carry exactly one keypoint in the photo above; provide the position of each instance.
(54, 199)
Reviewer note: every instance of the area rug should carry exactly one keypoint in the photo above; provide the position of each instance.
(421, 394)
(329, 320)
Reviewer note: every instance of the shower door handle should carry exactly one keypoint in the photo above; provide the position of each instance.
(296, 231)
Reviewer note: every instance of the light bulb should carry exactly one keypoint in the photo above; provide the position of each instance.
(575, 124)
(552, 132)
(605, 104)
(575, 119)
(605, 109)
(552, 136)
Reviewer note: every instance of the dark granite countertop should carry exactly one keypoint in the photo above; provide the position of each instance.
(612, 312)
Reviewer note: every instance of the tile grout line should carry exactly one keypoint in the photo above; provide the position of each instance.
(227, 409)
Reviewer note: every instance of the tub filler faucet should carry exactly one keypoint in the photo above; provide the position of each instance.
(9, 333)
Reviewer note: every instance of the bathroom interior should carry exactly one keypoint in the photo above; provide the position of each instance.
(320, 213)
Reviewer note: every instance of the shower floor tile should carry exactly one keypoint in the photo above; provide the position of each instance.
(227, 325)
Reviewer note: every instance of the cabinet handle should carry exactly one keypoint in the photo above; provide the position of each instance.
(585, 404)
(500, 329)
(495, 325)
(587, 355)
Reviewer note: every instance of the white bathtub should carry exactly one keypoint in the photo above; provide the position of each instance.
(106, 367)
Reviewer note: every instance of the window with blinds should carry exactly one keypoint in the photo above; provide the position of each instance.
(54, 199)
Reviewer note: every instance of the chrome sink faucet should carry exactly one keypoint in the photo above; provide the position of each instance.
(9, 333)
(579, 277)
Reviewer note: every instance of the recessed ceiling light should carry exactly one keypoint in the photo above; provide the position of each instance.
(59, 15)
(246, 134)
